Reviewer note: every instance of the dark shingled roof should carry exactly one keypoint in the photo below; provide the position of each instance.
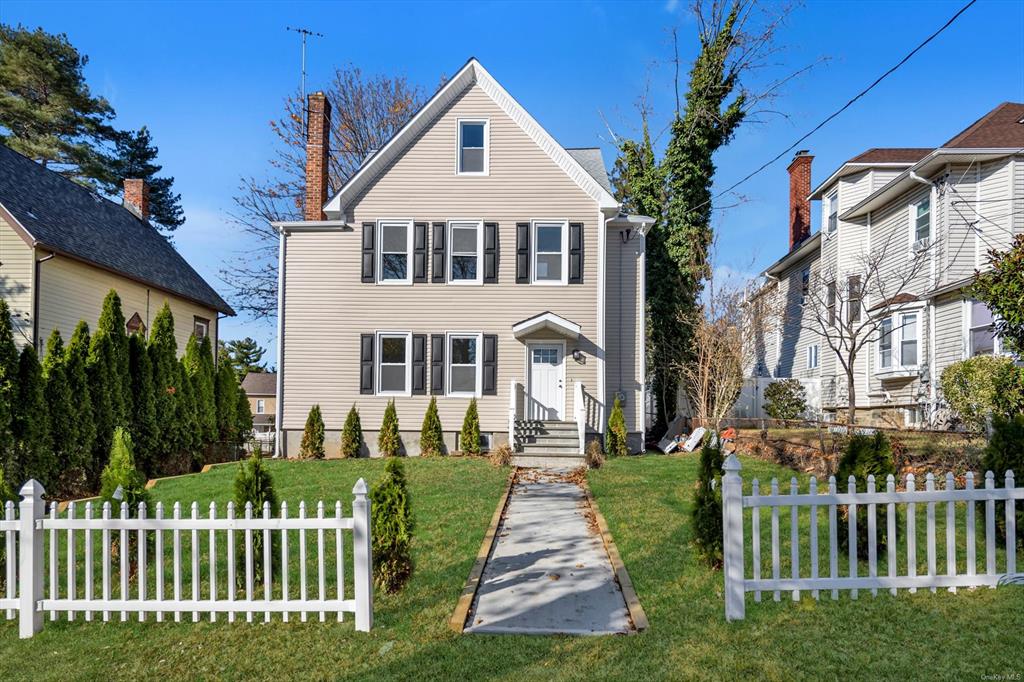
(1000, 128)
(260, 383)
(592, 161)
(891, 155)
(72, 220)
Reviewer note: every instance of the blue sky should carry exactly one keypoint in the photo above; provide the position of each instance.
(207, 77)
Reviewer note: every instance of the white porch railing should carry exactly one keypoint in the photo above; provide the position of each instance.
(135, 554)
(580, 410)
(735, 502)
(513, 403)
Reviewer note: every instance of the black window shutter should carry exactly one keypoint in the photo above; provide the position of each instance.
(369, 251)
(437, 364)
(490, 368)
(575, 253)
(366, 363)
(490, 253)
(522, 253)
(419, 364)
(437, 256)
(419, 252)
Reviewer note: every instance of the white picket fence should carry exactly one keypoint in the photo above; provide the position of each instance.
(46, 553)
(736, 544)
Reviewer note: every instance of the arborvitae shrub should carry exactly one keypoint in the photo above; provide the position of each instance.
(8, 387)
(352, 434)
(77, 352)
(1005, 452)
(865, 456)
(60, 404)
(707, 506)
(112, 327)
(469, 437)
(254, 484)
(31, 423)
(616, 442)
(392, 524)
(594, 454)
(226, 397)
(199, 364)
(389, 442)
(312, 446)
(785, 399)
(120, 472)
(431, 435)
(243, 417)
(143, 424)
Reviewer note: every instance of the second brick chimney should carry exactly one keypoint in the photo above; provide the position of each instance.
(799, 203)
(136, 197)
(318, 134)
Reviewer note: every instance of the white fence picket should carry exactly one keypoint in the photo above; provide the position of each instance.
(25, 529)
(734, 502)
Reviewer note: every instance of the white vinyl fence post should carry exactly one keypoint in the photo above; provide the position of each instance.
(732, 536)
(363, 557)
(30, 559)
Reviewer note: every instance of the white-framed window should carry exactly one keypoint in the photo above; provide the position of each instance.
(200, 327)
(830, 303)
(920, 224)
(805, 284)
(812, 356)
(464, 366)
(550, 252)
(394, 363)
(394, 246)
(466, 239)
(832, 220)
(261, 406)
(982, 338)
(899, 342)
(473, 151)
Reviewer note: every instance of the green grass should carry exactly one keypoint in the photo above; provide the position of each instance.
(647, 502)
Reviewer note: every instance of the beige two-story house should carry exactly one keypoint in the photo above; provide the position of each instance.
(472, 256)
(914, 223)
(63, 248)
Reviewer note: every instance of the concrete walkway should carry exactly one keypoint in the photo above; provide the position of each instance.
(548, 571)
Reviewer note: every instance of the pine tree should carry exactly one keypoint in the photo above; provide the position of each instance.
(120, 472)
(134, 156)
(469, 438)
(80, 451)
(8, 386)
(254, 485)
(111, 324)
(143, 426)
(243, 417)
(60, 406)
(431, 435)
(392, 524)
(312, 445)
(199, 363)
(245, 355)
(46, 107)
(31, 422)
(352, 434)
(616, 440)
(163, 357)
(389, 440)
(226, 397)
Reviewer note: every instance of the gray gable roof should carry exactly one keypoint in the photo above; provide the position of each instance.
(70, 219)
(260, 383)
(592, 161)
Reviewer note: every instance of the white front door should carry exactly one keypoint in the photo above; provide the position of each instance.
(546, 393)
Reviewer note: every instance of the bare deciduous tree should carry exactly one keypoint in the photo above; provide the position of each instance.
(366, 111)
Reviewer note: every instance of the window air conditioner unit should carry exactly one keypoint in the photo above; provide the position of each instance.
(921, 244)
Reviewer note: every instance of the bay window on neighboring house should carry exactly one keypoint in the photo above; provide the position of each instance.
(899, 342)
(394, 364)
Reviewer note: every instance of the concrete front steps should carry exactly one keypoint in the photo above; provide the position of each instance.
(549, 445)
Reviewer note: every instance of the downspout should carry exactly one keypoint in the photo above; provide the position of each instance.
(643, 339)
(35, 301)
(279, 408)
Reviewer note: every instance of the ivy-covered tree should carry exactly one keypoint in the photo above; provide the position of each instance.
(31, 422)
(199, 364)
(80, 451)
(60, 405)
(226, 396)
(8, 384)
(143, 424)
(431, 434)
(1002, 290)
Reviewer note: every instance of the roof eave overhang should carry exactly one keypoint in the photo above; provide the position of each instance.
(808, 246)
(471, 73)
(641, 223)
(289, 226)
(923, 168)
(849, 169)
(546, 322)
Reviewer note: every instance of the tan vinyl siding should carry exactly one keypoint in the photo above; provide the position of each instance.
(995, 208)
(269, 407)
(71, 291)
(622, 326)
(328, 307)
(16, 262)
(949, 332)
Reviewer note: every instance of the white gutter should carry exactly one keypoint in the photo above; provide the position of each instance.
(279, 409)
(914, 176)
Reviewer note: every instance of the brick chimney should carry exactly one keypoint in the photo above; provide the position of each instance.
(136, 197)
(318, 134)
(799, 204)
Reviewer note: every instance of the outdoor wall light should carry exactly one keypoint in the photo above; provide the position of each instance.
(577, 355)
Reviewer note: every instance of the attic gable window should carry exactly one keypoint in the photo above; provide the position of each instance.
(473, 147)
(200, 327)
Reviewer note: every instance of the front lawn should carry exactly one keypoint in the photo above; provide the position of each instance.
(646, 501)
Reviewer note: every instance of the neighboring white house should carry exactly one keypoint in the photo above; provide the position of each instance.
(949, 206)
(472, 256)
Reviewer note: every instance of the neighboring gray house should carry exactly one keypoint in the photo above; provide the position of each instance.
(940, 209)
(472, 256)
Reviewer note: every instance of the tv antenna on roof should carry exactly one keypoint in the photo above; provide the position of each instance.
(304, 32)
